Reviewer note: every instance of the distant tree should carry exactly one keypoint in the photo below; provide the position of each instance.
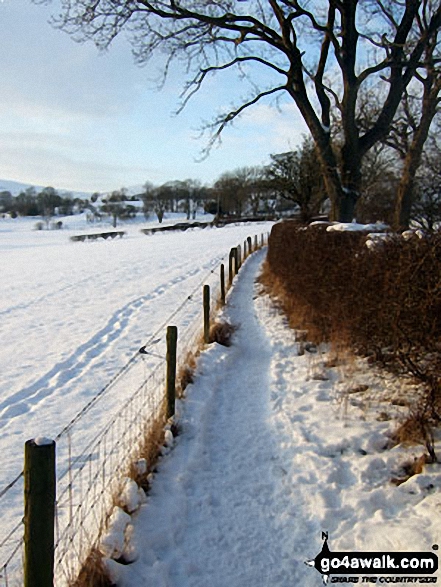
(293, 176)
(161, 195)
(147, 197)
(203, 195)
(25, 204)
(6, 201)
(114, 205)
(173, 192)
(256, 187)
(66, 205)
(192, 191)
(232, 190)
(48, 200)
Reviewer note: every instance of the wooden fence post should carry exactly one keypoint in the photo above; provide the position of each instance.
(239, 258)
(231, 260)
(244, 250)
(236, 260)
(206, 314)
(222, 282)
(250, 245)
(39, 514)
(172, 343)
(256, 245)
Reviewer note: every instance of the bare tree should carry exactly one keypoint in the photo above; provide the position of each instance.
(192, 192)
(380, 178)
(114, 205)
(293, 176)
(258, 191)
(162, 195)
(426, 201)
(335, 47)
(232, 191)
(48, 200)
(417, 124)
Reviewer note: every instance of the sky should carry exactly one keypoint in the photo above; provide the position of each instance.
(79, 119)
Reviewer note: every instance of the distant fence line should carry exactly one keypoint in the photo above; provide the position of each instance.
(178, 226)
(92, 464)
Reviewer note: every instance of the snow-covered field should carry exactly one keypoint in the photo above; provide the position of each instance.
(276, 445)
(72, 314)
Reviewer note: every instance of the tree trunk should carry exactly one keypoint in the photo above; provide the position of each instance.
(342, 189)
(404, 200)
(347, 206)
(351, 178)
(405, 192)
(343, 198)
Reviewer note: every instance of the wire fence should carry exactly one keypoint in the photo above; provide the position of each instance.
(93, 462)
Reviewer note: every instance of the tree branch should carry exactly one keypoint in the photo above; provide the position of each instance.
(194, 85)
(222, 121)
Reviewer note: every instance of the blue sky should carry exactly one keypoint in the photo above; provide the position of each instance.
(77, 119)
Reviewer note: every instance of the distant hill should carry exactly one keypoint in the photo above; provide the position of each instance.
(15, 187)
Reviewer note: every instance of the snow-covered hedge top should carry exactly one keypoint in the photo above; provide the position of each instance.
(355, 227)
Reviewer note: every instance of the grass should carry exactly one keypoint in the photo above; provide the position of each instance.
(222, 332)
(93, 573)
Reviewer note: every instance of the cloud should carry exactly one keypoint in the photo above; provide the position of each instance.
(35, 160)
(80, 120)
(281, 129)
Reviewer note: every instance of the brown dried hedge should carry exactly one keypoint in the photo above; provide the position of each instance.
(384, 302)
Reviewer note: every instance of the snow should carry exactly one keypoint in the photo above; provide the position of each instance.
(376, 239)
(131, 496)
(356, 227)
(73, 314)
(113, 542)
(279, 440)
(276, 446)
(42, 441)
(409, 234)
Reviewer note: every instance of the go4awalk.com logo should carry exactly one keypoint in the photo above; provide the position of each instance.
(375, 567)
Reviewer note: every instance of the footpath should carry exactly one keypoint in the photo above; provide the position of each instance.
(272, 451)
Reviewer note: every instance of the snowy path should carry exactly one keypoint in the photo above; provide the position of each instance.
(221, 524)
(265, 462)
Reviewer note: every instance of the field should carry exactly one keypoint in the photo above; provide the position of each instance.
(72, 314)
